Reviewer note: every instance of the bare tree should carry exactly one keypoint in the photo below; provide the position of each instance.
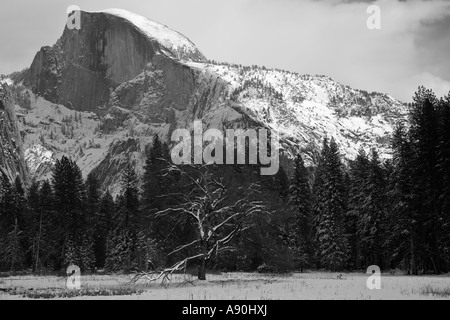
(217, 215)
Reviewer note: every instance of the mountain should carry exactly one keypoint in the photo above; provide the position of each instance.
(112, 47)
(102, 92)
(11, 153)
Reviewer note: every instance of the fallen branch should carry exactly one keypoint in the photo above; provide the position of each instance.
(164, 275)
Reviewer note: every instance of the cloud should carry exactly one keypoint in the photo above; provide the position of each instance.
(433, 43)
(440, 86)
(331, 37)
(309, 36)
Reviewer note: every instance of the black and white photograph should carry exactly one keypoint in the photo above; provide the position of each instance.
(222, 154)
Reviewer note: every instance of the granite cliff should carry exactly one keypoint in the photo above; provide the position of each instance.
(12, 161)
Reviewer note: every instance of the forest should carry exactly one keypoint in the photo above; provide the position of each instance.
(339, 216)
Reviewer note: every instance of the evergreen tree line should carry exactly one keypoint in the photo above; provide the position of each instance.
(392, 213)
(68, 221)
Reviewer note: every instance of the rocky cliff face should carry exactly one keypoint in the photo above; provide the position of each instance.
(12, 162)
(85, 65)
(100, 94)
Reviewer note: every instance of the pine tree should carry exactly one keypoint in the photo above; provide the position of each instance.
(69, 192)
(330, 207)
(20, 201)
(93, 237)
(49, 229)
(157, 186)
(12, 253)
(103, 228)
(371, 222)
(444, 172)
(92, 197)
(123, 239)
(357, 196)
(34, 228)
(70, 205)
(120, 250)
(301, 199)
(155, 181)
(12, 211)
(129, 200)
(71, 252)
(87, 254)
(403, 217)
(425, 136)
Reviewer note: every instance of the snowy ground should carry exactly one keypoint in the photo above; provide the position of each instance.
(240, 286)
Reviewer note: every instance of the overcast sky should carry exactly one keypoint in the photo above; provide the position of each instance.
(327, 37)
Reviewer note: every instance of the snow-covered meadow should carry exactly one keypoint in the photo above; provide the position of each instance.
(248, 286)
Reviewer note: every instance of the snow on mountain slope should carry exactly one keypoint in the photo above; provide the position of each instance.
(38, 159)
(12, 162)
(305, 109)
(170, 39)
(7, 81)
(50, 131)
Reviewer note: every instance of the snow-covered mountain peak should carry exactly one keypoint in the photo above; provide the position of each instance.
(171, 40)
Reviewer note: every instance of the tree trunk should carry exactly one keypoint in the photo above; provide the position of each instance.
(357, 256)
(39, 242)
(437, 256)
(202, 270)
(413, 257)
